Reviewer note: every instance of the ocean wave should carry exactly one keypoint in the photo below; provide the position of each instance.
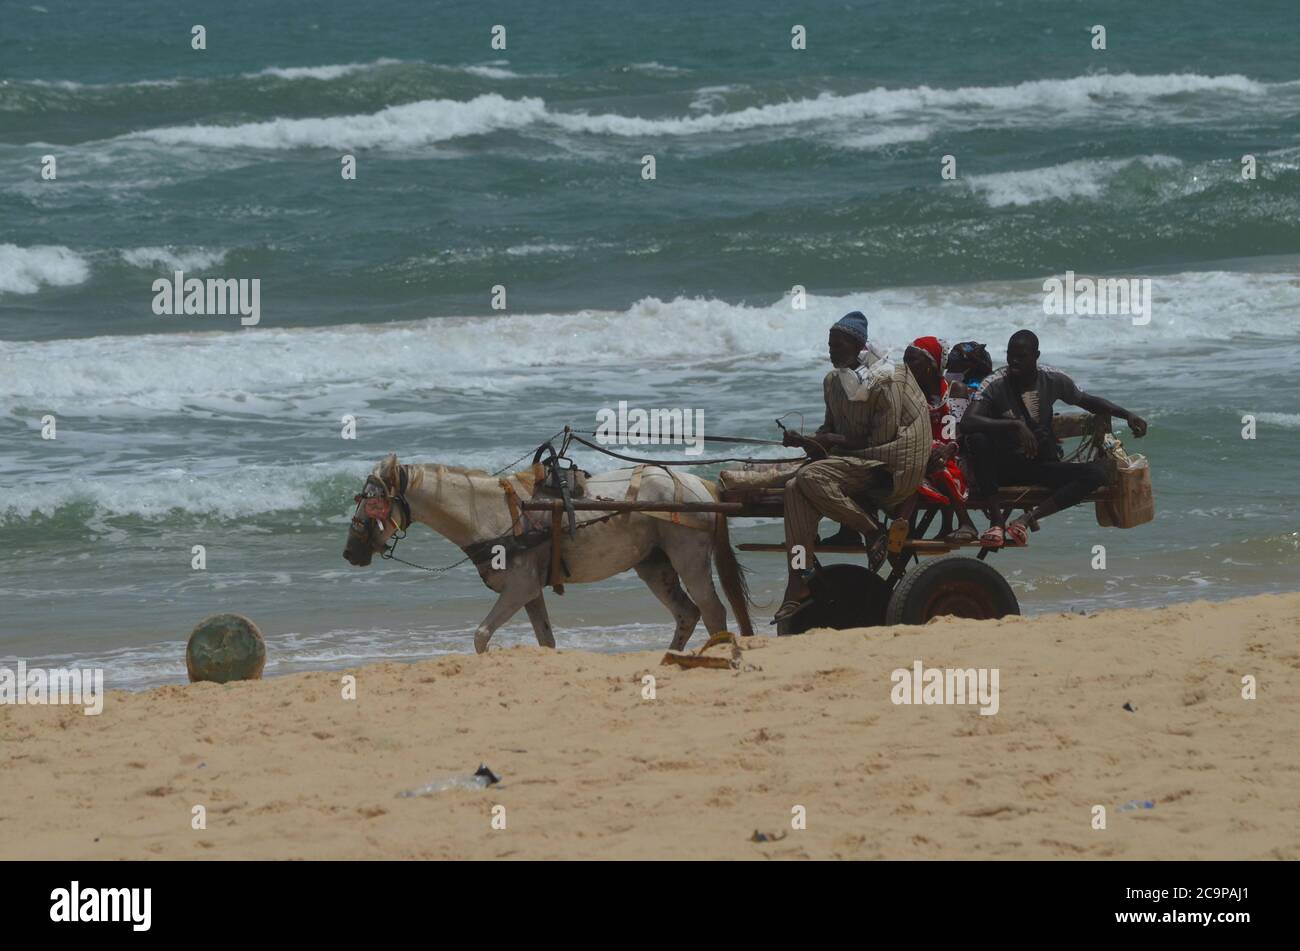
(291, 371)
(487, 72)
(527, 250)
(227, 495)
(69, 85)
(1285, 420)
(898, 135)
(437, 120)
(653, 68)
(320, 72)
(1085, 178)
(412, 124)
(174, 259)
(707, 98)
(273, 494)
(1038, 97)
(26, 270)
(324, 73)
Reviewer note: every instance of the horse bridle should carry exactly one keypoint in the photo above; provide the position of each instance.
(375, 503)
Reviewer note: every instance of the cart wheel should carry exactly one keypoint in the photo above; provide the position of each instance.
(847, 596)
(956, 586)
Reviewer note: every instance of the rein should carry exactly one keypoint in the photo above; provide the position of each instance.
(666, 462)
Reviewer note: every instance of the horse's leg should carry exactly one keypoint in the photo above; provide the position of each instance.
(661, 579)
(689, 550)
(516, 593)
(536, 609)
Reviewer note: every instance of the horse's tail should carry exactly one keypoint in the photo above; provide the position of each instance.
(732, 574)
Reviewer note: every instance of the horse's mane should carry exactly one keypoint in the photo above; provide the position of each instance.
(417, 470)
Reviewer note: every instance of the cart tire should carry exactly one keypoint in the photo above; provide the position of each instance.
(852, 596)
(955, 586)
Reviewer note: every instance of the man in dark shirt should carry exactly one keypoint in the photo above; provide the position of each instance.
(1007, 436)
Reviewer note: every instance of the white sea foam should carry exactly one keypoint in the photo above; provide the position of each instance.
(1037, 97)
(320, 72)
(26, 270)
(325, 72)
(897, 135)
(708, 98)
(653, 68)
(488, 72)
(438, 120)
(71, 86)
(1085, 178)
(174, 259)
(527, 250)
(412, 124)
(1286, 420)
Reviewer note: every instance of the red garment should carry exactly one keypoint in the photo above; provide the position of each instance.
(939, 407)
(948, 475)
(938, 412)
(934, 348)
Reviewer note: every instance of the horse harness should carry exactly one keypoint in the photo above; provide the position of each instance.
(375, 504)
(555, 475)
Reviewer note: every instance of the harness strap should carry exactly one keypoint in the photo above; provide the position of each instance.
(634, 489)
(557, 561)
(403, 483)
(480, 552)
(679, 490)
(633, 485)
(512, 500)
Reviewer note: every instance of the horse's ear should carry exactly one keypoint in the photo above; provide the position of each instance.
(388, 470)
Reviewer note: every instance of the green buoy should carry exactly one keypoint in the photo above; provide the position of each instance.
(225, 647)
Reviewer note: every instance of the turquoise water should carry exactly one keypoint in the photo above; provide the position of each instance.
(522, 167)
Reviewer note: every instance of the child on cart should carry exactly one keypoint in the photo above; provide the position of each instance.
(944, 482)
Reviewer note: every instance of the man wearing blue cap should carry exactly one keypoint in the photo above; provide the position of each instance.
(874, 444)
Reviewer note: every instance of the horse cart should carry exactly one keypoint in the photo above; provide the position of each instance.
(902, 581)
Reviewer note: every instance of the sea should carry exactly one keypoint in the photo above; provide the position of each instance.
(930, 164)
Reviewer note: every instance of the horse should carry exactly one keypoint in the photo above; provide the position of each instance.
(478, 512)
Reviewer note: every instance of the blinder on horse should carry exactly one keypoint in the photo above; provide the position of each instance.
(375, 505)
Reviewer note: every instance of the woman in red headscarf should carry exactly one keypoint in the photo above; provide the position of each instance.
(944, 482)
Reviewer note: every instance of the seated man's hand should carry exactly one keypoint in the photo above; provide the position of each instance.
(1028, 444)
(809, 444)
(1138, 425)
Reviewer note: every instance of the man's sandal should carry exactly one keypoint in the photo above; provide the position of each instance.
(1017, 535)
(993, 537)
(790, 608)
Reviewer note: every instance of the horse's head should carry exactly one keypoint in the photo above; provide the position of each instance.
(381, 512)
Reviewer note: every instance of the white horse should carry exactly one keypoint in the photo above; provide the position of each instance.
(476, 511)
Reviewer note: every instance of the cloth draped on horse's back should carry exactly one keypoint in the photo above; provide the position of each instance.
(648, 483)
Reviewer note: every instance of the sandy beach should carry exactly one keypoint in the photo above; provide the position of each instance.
(287, 768)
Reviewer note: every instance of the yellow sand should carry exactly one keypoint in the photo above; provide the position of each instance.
(286, 768)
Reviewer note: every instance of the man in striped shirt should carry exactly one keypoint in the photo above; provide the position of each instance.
(873, 445)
